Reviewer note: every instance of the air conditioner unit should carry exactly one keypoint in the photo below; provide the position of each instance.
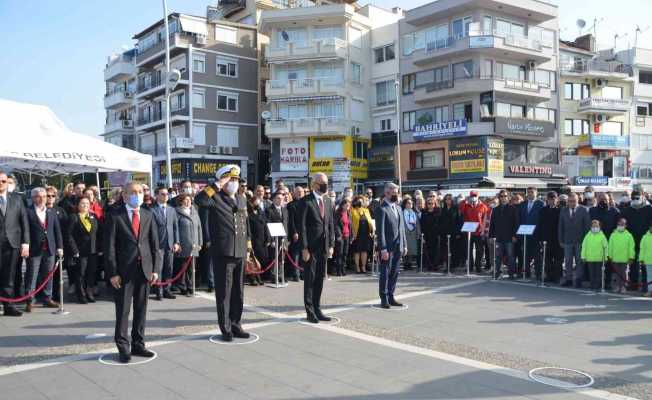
(128, 95)
(213, 150)
(599, 82)
(201, 39)
(600, 118)
(532, 65)
(227, 150)
(127, 123)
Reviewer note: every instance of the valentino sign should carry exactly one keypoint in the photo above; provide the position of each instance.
(532, 170)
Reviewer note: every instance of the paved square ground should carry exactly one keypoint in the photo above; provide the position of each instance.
(460, 338)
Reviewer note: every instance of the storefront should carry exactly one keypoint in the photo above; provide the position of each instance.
(199, 170)
(290, 161)
(343, 159)
(382, 160)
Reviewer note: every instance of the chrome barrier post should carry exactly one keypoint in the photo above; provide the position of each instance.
(448, 250)
(374, 260)
(421, 256)
(282, 261)
(194, 271)
(276, 283)
(61, 310)
(543, 265)
(524, 255)
(602, 272)
(494, 265)
(468, 255)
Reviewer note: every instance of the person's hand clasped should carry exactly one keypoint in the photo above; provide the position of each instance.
(384, 255)
(153, 278)
(116, 282)
(305, 255)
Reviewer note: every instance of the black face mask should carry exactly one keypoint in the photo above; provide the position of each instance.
(394, 198)
(323, 188)
(603, 204)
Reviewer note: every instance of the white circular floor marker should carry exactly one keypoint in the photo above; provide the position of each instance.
(217, 339)
(333, 321)
(555, 320)
(95, 336)
(557, 382)
(112, 359)
(402, 308)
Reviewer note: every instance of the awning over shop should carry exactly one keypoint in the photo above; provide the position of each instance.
(517, 183)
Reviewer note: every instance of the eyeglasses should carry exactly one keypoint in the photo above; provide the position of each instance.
(502, 196)
(51, 196)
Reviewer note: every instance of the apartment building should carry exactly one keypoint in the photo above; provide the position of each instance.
(214, 108)
(595, 103)
(640, 120)
(479, 94)
(120, 82)
(318, 92)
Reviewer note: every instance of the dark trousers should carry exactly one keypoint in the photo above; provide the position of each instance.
(595, 272)
(229, 292)
(85, 273)
(314, 272)
(206, 268)
(554, 261)
(342, 255)
(166, 269)
(431, 258)
(294, 251)
(532, 254)
(133, 290)
(185, 282)
(8, 261)
(389, 276)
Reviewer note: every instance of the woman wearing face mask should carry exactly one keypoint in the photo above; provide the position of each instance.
(342, 223)
(260, 238)
(84, 243)
(450, 224)
(362, 232)
(190, 239)
(429, 222)
(594, 253)
(412, 233)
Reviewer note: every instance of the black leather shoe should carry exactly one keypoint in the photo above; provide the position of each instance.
(169, 295)
(384, 305)
(210, 290)
(312, 319)
(124, 357)
(240, 334)
(227, 337)
(158, 297)
(395, 303)
(142, 352)
(324, 318)
(12, 312)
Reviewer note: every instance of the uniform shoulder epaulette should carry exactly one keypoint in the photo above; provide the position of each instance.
(209, 191)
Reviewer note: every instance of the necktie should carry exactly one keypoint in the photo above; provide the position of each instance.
(572, 210)
(135, 222)
(3, 205)
(529, 206)
(321, 207)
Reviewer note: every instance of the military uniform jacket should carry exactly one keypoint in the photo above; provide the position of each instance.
(228, 226)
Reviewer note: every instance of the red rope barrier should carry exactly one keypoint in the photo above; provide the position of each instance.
(37, 290)
(635, 285)
(292, 263)
(177, 276)
(262, 271)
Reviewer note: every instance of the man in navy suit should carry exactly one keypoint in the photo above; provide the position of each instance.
(529, 215)
(392, 245)
(168, 236)
(46, 243)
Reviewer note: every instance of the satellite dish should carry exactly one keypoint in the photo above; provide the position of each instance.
(266, 115)
(172, 79)
(581, 23)
(285, 35)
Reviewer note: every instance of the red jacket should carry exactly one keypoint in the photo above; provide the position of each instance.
(97, 210)
(477, 213)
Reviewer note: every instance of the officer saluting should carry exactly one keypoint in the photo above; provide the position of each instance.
(228, 235)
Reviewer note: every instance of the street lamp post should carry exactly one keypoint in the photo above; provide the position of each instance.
(398, 136)
(168, 156)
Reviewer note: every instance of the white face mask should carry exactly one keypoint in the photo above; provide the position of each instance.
(588, 195)
(595, 229)
(188, 190)
(474, 199)
(621, 228)
(232, 187)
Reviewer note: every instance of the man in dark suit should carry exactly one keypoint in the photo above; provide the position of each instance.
(168, 236)
(228, 235)
(502, 227)
(317, 236)
(203, 201)
(47, 242)
(133, 261)
(14, 241)
(62, 216)
(392, 245)
(294, 221)
(529, 215)
(574, 223)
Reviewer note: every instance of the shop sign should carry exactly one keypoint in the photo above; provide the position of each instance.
(437, 130)
(609, 142)
(495, 156)
(293, 155)
(591, 180)
(530, 170)
(194, 169)
(468, 157)
(524, 127)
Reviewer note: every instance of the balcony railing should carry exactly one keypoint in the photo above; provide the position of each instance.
(144, 86)
(606, 104)
(596, 66)
(307, 126)
(509, 40)
(317, 47)
(304, 86)
(118, 124)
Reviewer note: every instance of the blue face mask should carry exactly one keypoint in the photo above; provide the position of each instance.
(135, 200)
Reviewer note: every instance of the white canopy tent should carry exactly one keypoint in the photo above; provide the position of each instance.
(34, 140)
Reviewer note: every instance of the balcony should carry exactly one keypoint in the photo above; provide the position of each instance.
(597, 69)
(119, 68)
(119, 125)
(179, 42)
(489, 43)
(156, 85)
(642, 124)
(526, 90)
(157, 120)
(117, 99)
(305, 87)
(307, 127)
(329, 48)
(601, 105)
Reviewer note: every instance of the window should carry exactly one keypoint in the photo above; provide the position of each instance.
(408, 44)
(423, 78)
(226, 34)
(331, 109)
(227, 67)
(576, 91)
(645, 77)
(543, 155)
(384, 53)
(576, 127)
(612, 92)
(641, 111)
(487, 24)
(409, 120)
(360, 149)
(198, 63)
(430, 115)
(356, 73)
(437, 37)
(298, 37)
(504, 27)
(503, 110)
(147, 143)
(463, 70)
(612, 128)
(199, 134)
(178, 101)
(227, 101)
(517, 111)
(541, 114)
(328, 149)
(545, 78)
(385, 93)
(227, 136)
(461, 27)
(198, 98)
(409, 82)
(424, 159)
(515, 152)
(463, 111)
(327, 32)
(510, 71)
(385, 125)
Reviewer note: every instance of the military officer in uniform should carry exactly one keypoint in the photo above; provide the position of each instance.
(228, 235)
